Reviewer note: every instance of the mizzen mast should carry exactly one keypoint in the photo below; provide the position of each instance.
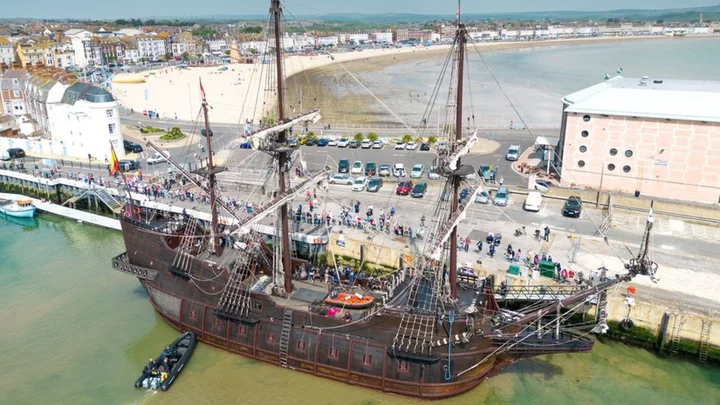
(276, 11)
(212, 180)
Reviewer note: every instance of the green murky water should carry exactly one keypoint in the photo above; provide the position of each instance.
(73, 331)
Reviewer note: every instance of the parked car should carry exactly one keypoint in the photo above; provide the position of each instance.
(332, 142)
(203, 133)
(384, 171)
(374, 185)
(357, 167)
(343, 143)
(311, 141)
(572, 207)
(501, 197)
(343, 165)
(425, 146)
(366, 144)
(359, 184)
(157, 158)
(399, 145)
(482, 197)
(419, 190)
(378, 145)
(322, 142)
(342, 178)
(432, 173)
(4, 155)
(513, 153)
(464, 193)
(16, 153)
(398, 170)
(132, 147)
(533, 202)
(411, 146)
(542, 186)
(127, 165)
(417, 171)
(404, 187)
(293, 141)
(370, 169)
(354, 144)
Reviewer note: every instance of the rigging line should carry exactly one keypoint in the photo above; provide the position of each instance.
(397, 117)
(436, 90)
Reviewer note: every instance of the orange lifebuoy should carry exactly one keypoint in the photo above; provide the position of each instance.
(631, 290)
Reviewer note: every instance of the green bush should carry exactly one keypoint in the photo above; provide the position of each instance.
(150, 130)
(173, 134)
(372, 136)
(359, 137)
(431, 140)
(407, 138)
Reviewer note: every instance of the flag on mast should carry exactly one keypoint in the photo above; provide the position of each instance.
(114, 163)
(202, 90)
(457, 14)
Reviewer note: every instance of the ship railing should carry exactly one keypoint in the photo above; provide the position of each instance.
(537, 292)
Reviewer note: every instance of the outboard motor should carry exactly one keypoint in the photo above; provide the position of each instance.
(155, 383)
(146, 383)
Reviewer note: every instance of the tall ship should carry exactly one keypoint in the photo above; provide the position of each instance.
(425, 331)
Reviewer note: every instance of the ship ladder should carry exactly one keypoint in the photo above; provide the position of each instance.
(705, 340)
(232, 300)
(675, 334)
(285, 336)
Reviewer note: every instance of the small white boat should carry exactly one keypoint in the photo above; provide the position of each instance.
(18, 209)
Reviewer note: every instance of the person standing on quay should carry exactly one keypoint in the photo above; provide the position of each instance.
(547, 233)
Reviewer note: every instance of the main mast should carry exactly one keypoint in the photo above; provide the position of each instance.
(211, 177)
(461, 41)
(276, 10)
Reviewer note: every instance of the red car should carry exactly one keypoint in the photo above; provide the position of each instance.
(404, 187)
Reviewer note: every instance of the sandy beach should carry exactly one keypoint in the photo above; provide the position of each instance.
(238, 93)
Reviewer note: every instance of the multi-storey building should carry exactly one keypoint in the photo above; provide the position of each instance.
(31, 52)
(77, 38)
(12, 95)
(7, 52)
(150, 48)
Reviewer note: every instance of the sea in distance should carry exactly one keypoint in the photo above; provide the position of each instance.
(534, 79)
(74, 331)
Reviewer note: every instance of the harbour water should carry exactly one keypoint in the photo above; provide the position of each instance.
(74, 331)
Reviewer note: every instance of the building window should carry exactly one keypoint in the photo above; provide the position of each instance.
(611, 167)
(628, 153)
(301, 346)
(613, 152)
(16, 93)
(111, 128)
(403, 366)
(585, 134)
(367, 360)
(581, 163)
(257, 305)
(333, 353)
(583, 148)
(626, 169)
(15, 81)
(586, 118)
(270, 338)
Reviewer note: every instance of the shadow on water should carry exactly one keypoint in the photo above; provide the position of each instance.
(140, 292)
(28, 224)
(534, 366)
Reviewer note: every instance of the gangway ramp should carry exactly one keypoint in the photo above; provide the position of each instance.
(537, 292)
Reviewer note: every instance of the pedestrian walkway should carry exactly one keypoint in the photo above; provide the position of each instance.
(668, 226)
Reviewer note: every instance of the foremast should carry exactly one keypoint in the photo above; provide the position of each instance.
(212, 179)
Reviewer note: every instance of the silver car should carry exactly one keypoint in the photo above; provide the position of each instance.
(482, 197)
(341, 178)
(513, 153)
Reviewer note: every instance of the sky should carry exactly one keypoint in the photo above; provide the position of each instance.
(189, 8)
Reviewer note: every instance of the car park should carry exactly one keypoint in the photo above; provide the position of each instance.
(374, 185)
(332, 142)
(343, 143)
(433, 174)
(366, 144)
(533, 202)
(203, 133)
(425, 146)
(417, 171)
(341, 178)
(482, 197)
(419, 190)
(404, 187)
(343, 165)
(513, 153)
(501, 197)
(359, 184)
(400, 145)
(398, 170)
(378, 145)
(158, 158)
(357, 167)
(572, 207)
(322, 142)
(411, 146)
(16, 153)
(132, 147)
(354, 144)
(370, 169)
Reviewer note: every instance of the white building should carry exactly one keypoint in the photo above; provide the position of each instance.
(151, 48)
(128, 32)
(327, 41)
(77, 37)
(7, 53)
(257, 46)
(131, 55)
(384, 37)
(508, 35)
(215, 45)
(64, 59)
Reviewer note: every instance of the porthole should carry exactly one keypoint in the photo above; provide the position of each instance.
(611, 167)
(626, 169)
(583, 148)
(585, 134)
(628, 153)
(586, 118)
(613, 152)
(581, 163)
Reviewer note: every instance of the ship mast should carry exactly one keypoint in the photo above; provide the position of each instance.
(461, 41)
(276, 10)
(211, 178)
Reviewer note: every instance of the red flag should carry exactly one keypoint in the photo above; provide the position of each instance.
(202, 90)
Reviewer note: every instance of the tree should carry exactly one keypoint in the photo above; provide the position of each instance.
(251, 30)
(372, 136)
(359, 137)
(227, 52)
(407, 138)
(432, 140)
(310, 134)
(186, 55)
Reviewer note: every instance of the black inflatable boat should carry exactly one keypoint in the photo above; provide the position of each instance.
(161, 374)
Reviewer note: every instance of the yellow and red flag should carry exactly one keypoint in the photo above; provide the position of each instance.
(114, 164)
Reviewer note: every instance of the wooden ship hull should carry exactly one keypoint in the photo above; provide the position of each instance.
(358, 354)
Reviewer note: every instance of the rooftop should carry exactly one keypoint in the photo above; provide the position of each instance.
(87, 92)
(685, 100)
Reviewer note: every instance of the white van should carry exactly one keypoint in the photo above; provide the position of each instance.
(533, 202)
